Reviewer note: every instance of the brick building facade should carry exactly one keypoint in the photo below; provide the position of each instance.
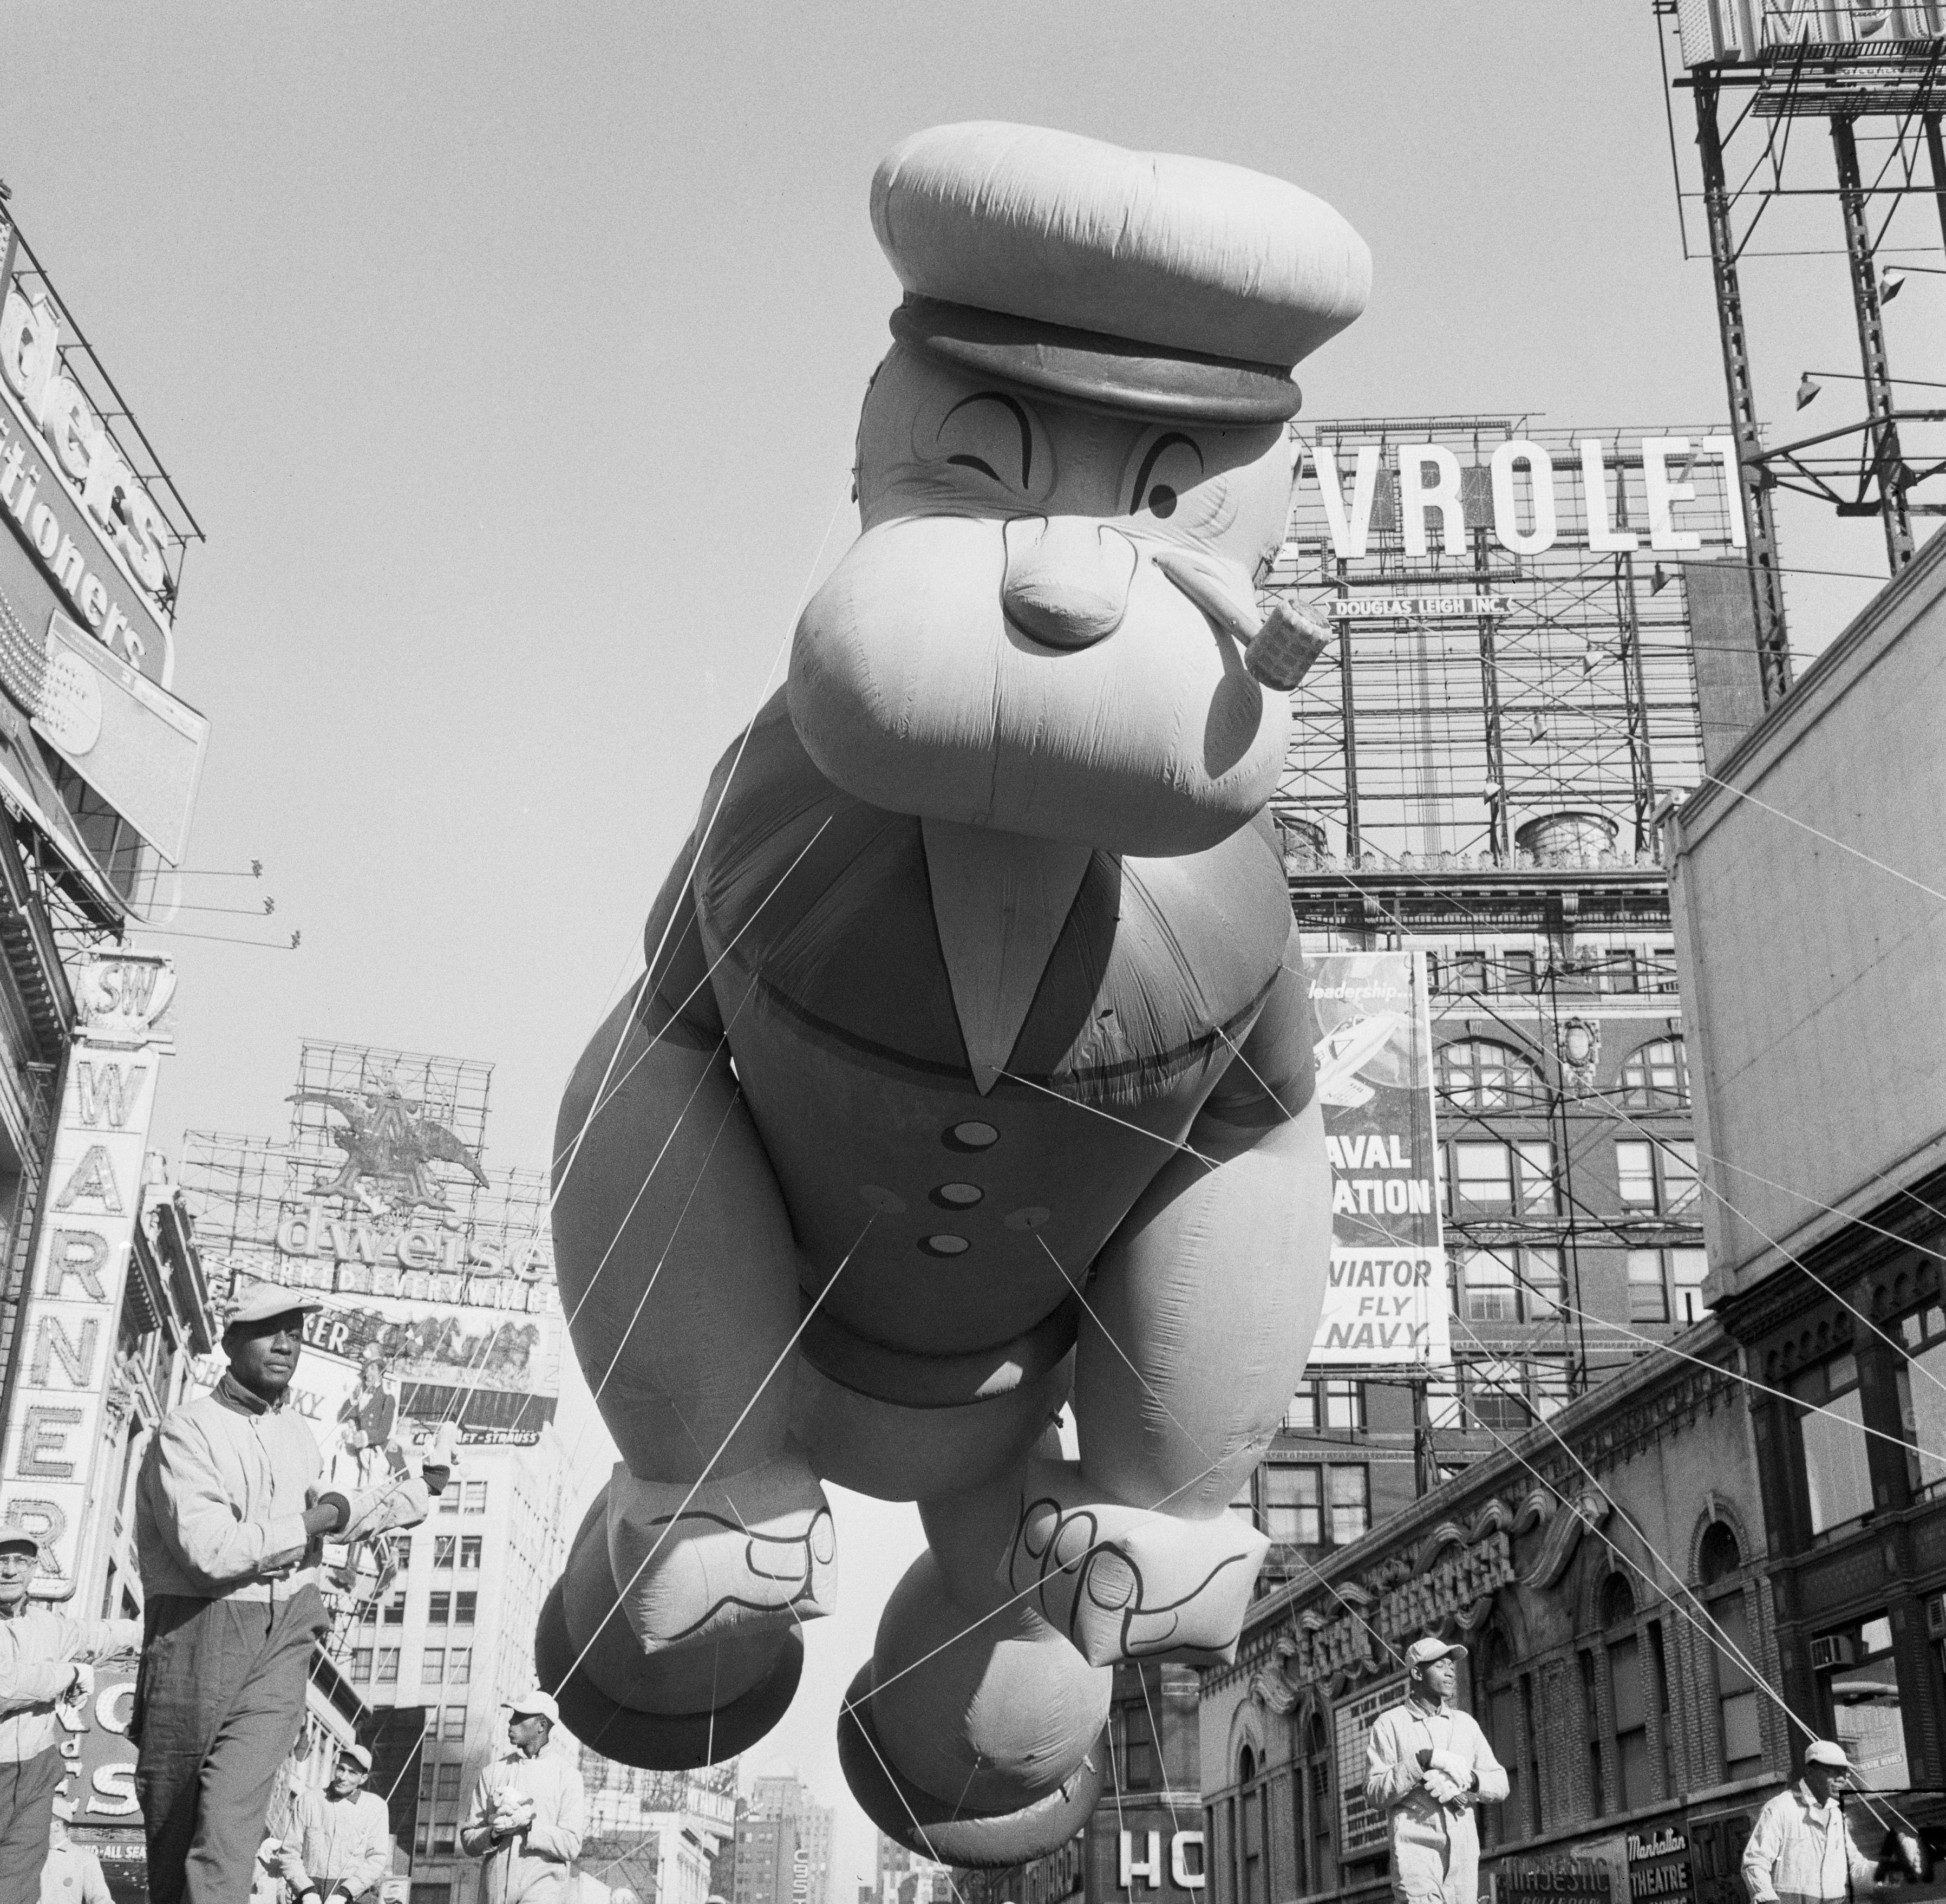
(1605, 1571)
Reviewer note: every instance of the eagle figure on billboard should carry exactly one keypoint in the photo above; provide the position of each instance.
(971, 1079)
(390, 1145)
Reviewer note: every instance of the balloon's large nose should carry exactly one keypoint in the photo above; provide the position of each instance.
(1068, 578)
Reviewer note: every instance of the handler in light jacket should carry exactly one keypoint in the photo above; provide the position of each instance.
(44, 1663)
(1428, 1764)
(528, 1812)
(229, 1529)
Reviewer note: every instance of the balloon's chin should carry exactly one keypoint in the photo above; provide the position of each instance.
(910, 689)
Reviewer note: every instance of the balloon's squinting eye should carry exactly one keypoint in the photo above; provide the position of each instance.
(985, 468)
(1170, 464)
(1162, 500)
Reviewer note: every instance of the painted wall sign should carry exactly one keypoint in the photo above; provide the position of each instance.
(72, 1308)
(1361, 1828)
(1388, 1300)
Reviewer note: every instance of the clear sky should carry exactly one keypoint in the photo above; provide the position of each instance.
(511, 357)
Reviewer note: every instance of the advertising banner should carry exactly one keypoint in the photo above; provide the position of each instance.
(1388, 1302)
(437, 1276)
(87, 647)
(72, 1305)
(1360, 1829)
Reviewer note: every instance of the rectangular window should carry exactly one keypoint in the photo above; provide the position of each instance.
(1921, 1403)
(429, 1782)
(1495, 1398)
(1351, 1504)
(445, 1549)
(1482, 1177)
(1666, 977)
(361, 1666)
(1536, 1163)
(395, 1608)
(1867, 1710)
(1687, 1269)
(1518, 967)
(476, 1497)
(1635, 1172)
(1302, 1412)
(1630, 1712)
(1139, 1754)
(1442, 1403)
(464, 1608)
(402, 1551)
(422, 1843)
(368, 1614)
(1648, 1296)
(388, 1665)
(453, 1725)
(432, 1666)
(1549, 1385)
(1293, 1504)
(1245, 1504)
(1491, 1293)
(449, 1784)
(1681, 1186)
(1542, 1295)
(1739, 1713)
(459, 1666)
(444, 1830)
(1468, 972)
(439, 1607)
(1344, 1405)
(1837, 1472)
(471, 1546)
(1621, 971)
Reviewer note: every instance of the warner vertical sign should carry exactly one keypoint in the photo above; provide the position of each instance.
(73, 1303)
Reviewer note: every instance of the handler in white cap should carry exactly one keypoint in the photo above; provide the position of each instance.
(44, 1663)
(229, 1529)
(1800, 1850)
(1428, 1764)
(343, 1841)
(528, 1812)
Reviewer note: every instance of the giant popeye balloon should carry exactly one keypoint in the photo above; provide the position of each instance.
(972, 1073)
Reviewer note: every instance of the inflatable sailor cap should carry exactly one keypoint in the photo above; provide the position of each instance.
(1136, 282)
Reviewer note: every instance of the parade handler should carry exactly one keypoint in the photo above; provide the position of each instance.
(344, 1837)
(72, 1874)
(1428, 1764)
(229, 1529)
(528, 1812)
(1799, 1851)
(44, 1660)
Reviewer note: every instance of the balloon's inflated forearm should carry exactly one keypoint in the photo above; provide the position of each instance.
(677, 1267)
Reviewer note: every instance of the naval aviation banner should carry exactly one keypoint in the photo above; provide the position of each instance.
(1388, 1301)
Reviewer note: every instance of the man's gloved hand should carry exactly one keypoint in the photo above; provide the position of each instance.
(379, 1510)
(1456, 1768)
(1442, 1789)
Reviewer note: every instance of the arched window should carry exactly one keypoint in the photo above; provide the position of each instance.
(1507, 1704)
(1637, 1672)
(1312, 1794)
(1252, 1859)
(1717, 1556)
(1478, 1074)
(1656, 1076)
(1739, 1712)
(1618, 1601)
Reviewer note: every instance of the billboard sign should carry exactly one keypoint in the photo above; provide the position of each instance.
(1740, 33)
(1388, 1301)
(1422, 492)
(438, 1277)
(71, 1307)
(87, 651)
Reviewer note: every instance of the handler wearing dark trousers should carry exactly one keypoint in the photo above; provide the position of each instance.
(44, 1663)
(229, 1529)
